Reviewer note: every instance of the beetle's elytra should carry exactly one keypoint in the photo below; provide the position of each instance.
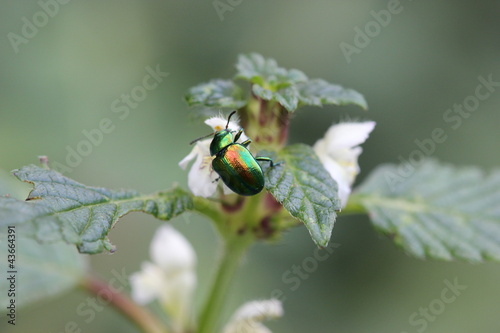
(235, 164)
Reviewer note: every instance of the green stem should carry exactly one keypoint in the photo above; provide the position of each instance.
(233, 250)
(251, 210)
(354, 206)
(139, 316)
(207, 208)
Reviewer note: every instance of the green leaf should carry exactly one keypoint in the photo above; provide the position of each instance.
(263, 93)
(437, 211)
(318, 92)
(305, 189)
(287, 97)
(291, 88)
(216, 94)
(255, 68)
(43, 270)
(61, 208)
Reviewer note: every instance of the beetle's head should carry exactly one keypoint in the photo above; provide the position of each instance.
(221, 140)
(223, 137)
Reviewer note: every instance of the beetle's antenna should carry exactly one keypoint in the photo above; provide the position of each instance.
(203, 137)
(206, 136)
(228, 118)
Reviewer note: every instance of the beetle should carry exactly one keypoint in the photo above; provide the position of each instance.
(235, 164)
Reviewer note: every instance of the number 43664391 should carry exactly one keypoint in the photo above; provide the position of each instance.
(11, 240)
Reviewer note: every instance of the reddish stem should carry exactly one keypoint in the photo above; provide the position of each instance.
(138, 315)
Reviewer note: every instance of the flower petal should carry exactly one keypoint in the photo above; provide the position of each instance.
(348, 135)
(201, 176)
(338, 151)
(219, 123)
(339, 174)
(176, 298)
(147, 284)
(185, 161)
(171, 251)
(249, 316)
(170, 279)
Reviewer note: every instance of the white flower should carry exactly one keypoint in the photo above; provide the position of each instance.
(169, 278)
(219, 123)
(249, 316)
(201, 177)
(339, 149)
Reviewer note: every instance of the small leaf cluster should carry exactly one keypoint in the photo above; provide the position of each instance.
(300, 184)
(289, 87)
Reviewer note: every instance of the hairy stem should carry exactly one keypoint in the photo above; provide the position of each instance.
(232, 253)
(139, 316)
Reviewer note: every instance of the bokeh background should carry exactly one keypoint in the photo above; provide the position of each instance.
(65, 78)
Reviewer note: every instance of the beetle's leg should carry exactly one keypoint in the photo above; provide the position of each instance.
(246, 143)
(237, 136)
(268, 159)
(216, 180)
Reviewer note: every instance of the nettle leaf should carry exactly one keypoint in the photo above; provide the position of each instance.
(287, 97)
(263, 93)
(291, 88)
(43, 270)
(318, 92)
(255, 68)
(216, 93)
(304, 188)
(61, 208)
(437, 211)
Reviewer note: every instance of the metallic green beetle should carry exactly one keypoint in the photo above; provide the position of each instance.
(234, 163)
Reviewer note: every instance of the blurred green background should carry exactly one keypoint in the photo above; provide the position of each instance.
(428, 58)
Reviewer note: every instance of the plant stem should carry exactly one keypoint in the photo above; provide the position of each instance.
(205, 207)
(144, 320)
(232, 252)
(353, 206)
